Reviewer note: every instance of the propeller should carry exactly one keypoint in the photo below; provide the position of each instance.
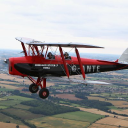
(6, 61)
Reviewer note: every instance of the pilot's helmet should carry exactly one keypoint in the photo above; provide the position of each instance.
(49, 54)
(66, 54)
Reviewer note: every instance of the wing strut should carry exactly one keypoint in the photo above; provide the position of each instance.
(37, 50)
(46, 52)
(24, 48)
(80, 63)
(65, 66)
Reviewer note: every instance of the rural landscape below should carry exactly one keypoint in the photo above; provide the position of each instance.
(69, 105)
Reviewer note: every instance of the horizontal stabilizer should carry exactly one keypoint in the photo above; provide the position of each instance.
(124, 57)
(76, 80)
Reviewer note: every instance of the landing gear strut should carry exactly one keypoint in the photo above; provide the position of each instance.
(34, 87)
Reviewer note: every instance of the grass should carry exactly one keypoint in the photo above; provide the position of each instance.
(23, 114)
(21, 106)
(5, 118)
(13, 100)
(9, 103)
(5, 90)
(3, 107)
(18, 98)
(53, 122)
(8, 86)
(80, 116)
(113, 107)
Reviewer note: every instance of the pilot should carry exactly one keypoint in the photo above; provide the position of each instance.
(66, 55)
(50, 56)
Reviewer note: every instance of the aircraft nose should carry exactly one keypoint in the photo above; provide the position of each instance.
(6, 61)
(11, 66)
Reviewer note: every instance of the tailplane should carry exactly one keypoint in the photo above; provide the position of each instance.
(124, 57)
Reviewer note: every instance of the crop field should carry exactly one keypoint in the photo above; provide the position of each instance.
(103, 126)
(113, 121)
(9, 103)
(53, 122)
(67, 96)
(11, 125)
(19, 98)
(5, 118)
(96, 111)
(116, 103)
(23, 114)
(96, 98)
(120, 111)
(8, 86)
(21, 106)
(80, 116)
(9, 82)
(13, 100)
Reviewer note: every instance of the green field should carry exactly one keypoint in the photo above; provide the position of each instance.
(53, 122)
(3, 107)
(21, 106)
(23, 114)
(13, 100)
(80, 116)
(18, 98)
(71, 120)
(5, 118)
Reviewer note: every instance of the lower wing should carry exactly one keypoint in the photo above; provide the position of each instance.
(86, 82)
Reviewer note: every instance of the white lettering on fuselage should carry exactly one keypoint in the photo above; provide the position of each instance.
(49, 65)
(93, 68)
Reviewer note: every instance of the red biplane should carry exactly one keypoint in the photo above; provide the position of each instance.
(39, 62)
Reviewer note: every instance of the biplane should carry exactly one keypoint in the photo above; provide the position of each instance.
(39, 63)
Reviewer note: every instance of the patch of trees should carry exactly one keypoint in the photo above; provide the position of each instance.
(47, 108)
(101, 105)
(82, 95)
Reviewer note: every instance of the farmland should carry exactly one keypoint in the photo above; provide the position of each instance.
(14, 112)
(11, 125)
(73, 119)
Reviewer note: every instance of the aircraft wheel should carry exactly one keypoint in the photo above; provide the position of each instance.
(33, 88)
(43, 93)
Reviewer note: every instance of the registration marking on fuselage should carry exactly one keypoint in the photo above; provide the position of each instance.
(47, 65)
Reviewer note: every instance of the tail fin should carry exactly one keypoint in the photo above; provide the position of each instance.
(124, 57)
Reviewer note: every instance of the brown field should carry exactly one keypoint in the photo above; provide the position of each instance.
(8, 82)
(115, 74)
(94, 125)
(96, 111)
(11, 125)
(120, 112)
(18, 79)
(113, 121)
(119, 103)
(53, 122)
(8, 86)
(67, 96)
(114, 102)
(95, 98)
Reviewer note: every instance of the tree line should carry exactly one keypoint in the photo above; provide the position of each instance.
(47, 108)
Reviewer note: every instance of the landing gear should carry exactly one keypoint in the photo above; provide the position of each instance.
(33, 88)
(43, 93)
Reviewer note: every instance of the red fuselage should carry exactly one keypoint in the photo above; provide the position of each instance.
(39, 66)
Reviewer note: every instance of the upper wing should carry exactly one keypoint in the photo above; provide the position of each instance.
(86, 82)
(39, 43)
